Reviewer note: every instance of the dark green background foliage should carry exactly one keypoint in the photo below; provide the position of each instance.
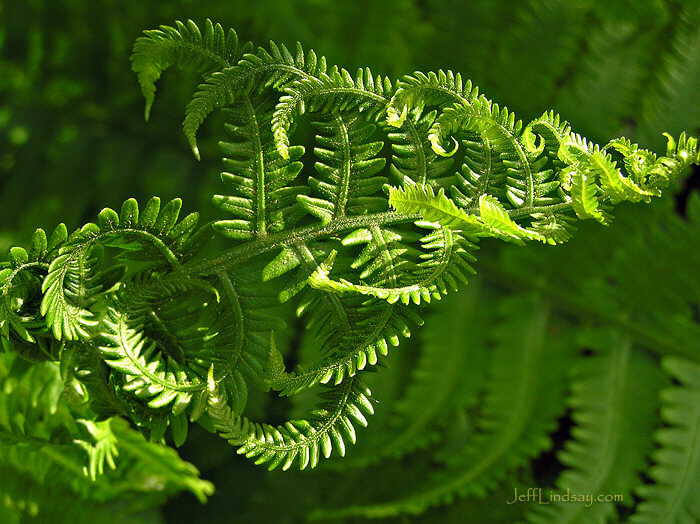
(556, 367)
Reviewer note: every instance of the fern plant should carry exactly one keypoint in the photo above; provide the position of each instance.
(586, 367)
(146, 321)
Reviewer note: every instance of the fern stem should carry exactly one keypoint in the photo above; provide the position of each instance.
(260, 195)
(420, 151)
(342, 198)
(385, 254)
(233, 299)
(521, 408)
(531, 210)
(255, 248)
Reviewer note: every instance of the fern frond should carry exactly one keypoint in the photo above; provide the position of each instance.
(70, 288)
(449, 375)
(254, 73)
(302, 440)
(264, 200)
(646, 174)
(557, 29)
(43, 444)
(21, 279)
(495, 216)
(649, 174)
(413, 160)
(74, 279)
(30, 393)
(482, 173)
(388, 257)
(419, 90)
(143, 459)
(328, 318)
(250, 324)
(493, 220)
(613, 401)
(480, 116)
(347, 167)
(162, 384)
(605, 81)
(669, 102)
(584, 199)
(673, 497)
(101, 447)
(527, 184)
(520, 408)
(436, 208)
(445, 264)
(153, 230)
(335, 90)
(166, 340)
(162, 335)
(381, 327)
(553, 130)
(185, 46)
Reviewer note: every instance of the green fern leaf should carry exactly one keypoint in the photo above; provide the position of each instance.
(583, 196)
(353, 259)
(606, 79)
(126, 351)
(263, 199)
(20, 279)
(253, 73)
(301, 440)
(669, 101)
(74, 280)
(439, 208)
(609, 447)
(70, 288)
(347, 183)
(511, 433)
(674, 495)
(481, 174)
(449, 375)
(445, 264)
(185, 46)
(432, 89)
(493, 219)
(336, 90)
(413, 160)
(381, 327)
(496, 124)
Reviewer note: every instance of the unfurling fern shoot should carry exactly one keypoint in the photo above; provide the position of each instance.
(409, 176)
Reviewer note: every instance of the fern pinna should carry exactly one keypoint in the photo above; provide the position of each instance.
(408, 176)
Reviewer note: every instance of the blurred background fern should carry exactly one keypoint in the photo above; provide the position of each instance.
(568, 379)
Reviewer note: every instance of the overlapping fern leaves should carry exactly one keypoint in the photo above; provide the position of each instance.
(180, 337)
(600, 336)
(46, 447)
